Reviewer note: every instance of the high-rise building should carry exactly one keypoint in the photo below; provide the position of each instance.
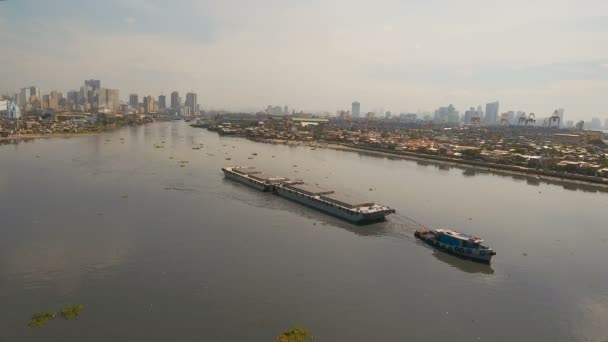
(356, 110)
(492, 113)
(595, 123)
(133, 100)
(191, 103)
(285, 110)
(162, 102)
(35, 91)
(175, 103)
(93, 84)
(149, 106)
(108, 99)
(24, 97)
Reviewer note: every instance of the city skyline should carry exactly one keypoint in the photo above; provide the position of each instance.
(387, 54)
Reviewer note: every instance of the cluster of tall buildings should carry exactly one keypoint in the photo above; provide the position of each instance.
(277, 110)
(176, 106)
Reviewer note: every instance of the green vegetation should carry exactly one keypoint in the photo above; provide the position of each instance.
(295, 335)
(71, 312)
(41, 319)
(471, 154)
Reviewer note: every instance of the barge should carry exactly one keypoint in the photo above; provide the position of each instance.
(252, 177)
(325, 200)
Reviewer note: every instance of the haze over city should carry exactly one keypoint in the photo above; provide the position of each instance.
(318, 55)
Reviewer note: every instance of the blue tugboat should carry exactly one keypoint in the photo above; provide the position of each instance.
(456, 243)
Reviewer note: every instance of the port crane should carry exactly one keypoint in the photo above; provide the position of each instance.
(531, 119)
(555, 117)
(523, 119)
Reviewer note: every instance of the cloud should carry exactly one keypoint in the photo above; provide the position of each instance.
(130, 20)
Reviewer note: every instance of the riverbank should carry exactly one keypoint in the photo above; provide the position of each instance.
(532, 174)
(27, 137)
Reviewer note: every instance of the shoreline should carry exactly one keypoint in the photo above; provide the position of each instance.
(17, 138)
(531, 174)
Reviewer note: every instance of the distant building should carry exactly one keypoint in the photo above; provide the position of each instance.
(285, 110)
(408, 117)
(191, 102)
(24, 97)
(93, 84)
(606, 124)
(162, 102)
(468, 115)
(492, 113)
(9, 109)
(570, 124)
(595, 124)
(175, 103)
(108, 99)
(149, 106)
(443, 114)
(35, 91)
(133, 100)
(356, 110)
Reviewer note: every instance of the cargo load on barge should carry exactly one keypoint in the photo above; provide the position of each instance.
(310, 195)
(252, 177)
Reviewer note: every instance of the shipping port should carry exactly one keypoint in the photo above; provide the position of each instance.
(326, 200)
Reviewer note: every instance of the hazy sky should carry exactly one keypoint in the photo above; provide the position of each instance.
(400, 55)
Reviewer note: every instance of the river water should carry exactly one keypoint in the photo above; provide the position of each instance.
(156, 251)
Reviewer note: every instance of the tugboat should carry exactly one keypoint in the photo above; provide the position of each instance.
(456, 243)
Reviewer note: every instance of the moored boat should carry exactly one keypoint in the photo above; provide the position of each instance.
(456, 243)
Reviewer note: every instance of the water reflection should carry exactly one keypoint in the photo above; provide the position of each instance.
(463, 264)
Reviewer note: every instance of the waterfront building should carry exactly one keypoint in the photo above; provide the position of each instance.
(108, 99)
(356, 110)
(175, 102)
(492, 113)
(149, 105)
(162, 102)
(191, 102)
(133, 100)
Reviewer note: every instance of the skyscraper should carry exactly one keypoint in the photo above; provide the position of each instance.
(149, 105)
(492, 113)
(108, 98)
(175, 100)
(24, 97)
(133, 100)
(191, 102)
(94, 84)
(162, 102)
(356, 110)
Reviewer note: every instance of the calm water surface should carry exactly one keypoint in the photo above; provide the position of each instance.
(159, 252)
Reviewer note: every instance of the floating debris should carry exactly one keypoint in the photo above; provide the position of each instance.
(254, 154)
(228, 159)
(71, 312)
(41, 319)
(250, 158)
(125, 196)
(184, 161)
(294, 165)
(196, 148)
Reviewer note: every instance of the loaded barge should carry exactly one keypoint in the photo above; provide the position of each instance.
(325, 200)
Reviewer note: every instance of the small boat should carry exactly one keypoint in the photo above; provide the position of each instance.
(456, 243)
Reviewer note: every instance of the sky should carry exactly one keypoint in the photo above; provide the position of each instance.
(318, 55)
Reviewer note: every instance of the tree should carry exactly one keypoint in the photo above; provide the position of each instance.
(295, 335)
